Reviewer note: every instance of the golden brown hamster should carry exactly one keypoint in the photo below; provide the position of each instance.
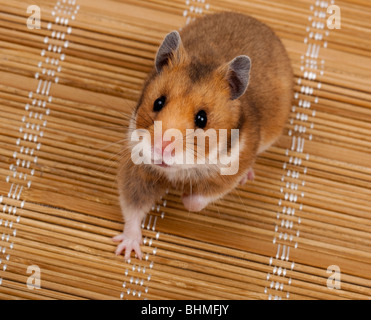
(223, 73)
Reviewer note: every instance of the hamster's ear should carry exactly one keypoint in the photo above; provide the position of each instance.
(238, 75)
(168, 47)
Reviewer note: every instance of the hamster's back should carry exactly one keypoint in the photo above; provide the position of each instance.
(218, 38)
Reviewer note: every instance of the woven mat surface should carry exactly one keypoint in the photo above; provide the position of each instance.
(301, 230)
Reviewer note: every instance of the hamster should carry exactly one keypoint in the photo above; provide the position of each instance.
(223, 71)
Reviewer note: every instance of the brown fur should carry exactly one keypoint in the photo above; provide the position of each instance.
(196, 78)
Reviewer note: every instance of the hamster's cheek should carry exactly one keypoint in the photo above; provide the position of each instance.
(141, 148)
(148, 151)
(144, 118)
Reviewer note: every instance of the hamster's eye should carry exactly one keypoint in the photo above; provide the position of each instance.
(159, 104)
(201, 119)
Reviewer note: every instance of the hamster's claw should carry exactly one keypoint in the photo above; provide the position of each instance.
(128, 245)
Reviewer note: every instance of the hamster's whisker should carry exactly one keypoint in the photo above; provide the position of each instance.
(125, 103)
(113, 143)
(147, 122)
(195, 151)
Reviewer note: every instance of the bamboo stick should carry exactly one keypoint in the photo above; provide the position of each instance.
(232, 239)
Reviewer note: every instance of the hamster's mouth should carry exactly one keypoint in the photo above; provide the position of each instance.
(163, 165)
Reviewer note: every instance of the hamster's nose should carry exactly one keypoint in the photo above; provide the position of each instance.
(164, 145)
(159, 149)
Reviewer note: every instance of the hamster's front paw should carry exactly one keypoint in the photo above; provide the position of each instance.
(128, 243)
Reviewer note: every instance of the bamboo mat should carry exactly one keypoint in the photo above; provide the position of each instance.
(66, 91)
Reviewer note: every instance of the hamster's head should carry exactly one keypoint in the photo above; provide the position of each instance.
(183, 99)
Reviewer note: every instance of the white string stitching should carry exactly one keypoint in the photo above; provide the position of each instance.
(285, 232)
(33, 124)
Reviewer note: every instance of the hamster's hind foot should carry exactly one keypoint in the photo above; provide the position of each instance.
(195, 202)
(128, 243)
(249, 176)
